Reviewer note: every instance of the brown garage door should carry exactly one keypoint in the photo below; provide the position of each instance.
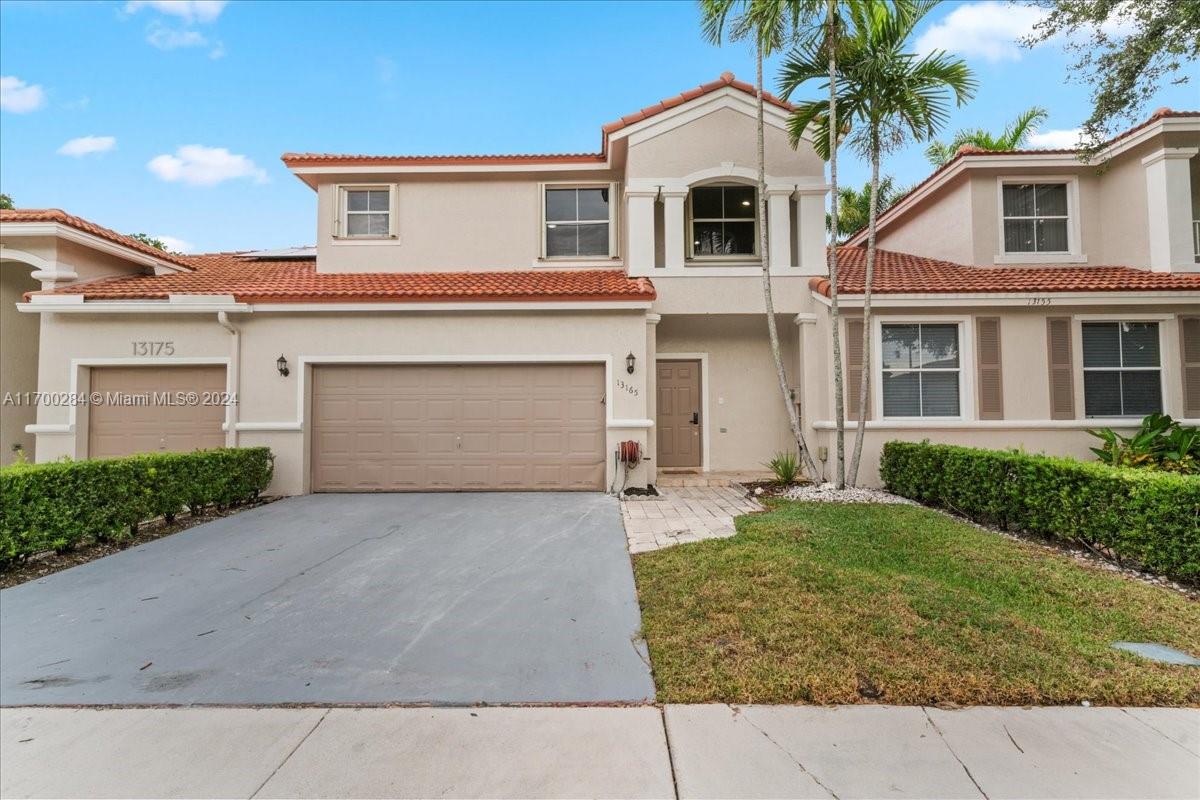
(449, 427)
(132, 420)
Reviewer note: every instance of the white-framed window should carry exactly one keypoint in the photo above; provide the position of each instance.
(1122, 369)
(578, 221)
(921, 371)
(1038, 220)
(366, 212)
(723, 221)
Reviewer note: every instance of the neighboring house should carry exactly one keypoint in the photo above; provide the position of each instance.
(504, 322)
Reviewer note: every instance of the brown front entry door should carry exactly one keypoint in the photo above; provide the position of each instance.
(678, 413)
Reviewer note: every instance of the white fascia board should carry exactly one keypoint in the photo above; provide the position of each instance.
(201, 299)
(725, 97)
(125, 306)
(339, 308)
(54, 300)
(66, 232)
(394, 169)
(990, 424)
(1015, 299)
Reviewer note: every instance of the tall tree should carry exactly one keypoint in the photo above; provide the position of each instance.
(854, 205)
(1125, 49)
(888, 96)
(6, 201)
(145, 238)
(1013, 137)
(768, 24)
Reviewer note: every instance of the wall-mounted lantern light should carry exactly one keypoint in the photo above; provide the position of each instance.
(630, 360)
(281, 365)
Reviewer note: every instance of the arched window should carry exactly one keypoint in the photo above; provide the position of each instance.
(724, 221)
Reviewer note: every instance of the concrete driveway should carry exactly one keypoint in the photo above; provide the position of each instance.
(404, 598)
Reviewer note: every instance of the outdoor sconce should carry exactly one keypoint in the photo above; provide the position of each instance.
(281, 365)
(630, 360)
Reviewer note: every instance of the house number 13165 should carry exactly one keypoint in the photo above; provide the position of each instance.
(153, 348)
(631, 389)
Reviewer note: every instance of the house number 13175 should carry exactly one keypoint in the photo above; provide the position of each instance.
(153, 348)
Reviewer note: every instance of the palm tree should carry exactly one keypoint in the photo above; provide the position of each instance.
(854, 206)
(889, 95)
(1013, 137)
(769, 23)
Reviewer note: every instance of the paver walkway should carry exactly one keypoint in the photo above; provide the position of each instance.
(683, 514)
(639, 751)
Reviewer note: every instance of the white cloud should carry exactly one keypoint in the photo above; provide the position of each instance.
(165, 38)
(989, 30)
(176, 245)
(188, 10)
(198, 165)
(993, 30)
(86, 145)
(1068, 138)
(20, 97)
(218, 51)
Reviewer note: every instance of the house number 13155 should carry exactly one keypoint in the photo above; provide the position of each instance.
(153, 348)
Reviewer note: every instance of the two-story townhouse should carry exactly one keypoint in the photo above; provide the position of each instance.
(505, 322)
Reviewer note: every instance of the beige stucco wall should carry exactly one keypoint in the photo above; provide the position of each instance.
(18, 361)
(451, 223)
(746, 423)
(273, 409)
(724, 136)
(731, 295)
(961, 221)
(939, 227)
(1025, 383)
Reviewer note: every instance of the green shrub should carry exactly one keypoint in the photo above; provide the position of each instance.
(1160, 443)
(58, 505)
(785, 466)
(1146, 516)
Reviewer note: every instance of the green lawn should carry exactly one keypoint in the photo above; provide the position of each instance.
(822, 603)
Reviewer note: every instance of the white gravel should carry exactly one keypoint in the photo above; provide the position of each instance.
(828, 493)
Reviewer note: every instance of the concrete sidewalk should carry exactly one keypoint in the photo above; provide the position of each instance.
(714, 751)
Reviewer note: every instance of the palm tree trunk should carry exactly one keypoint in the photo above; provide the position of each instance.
(864, 390)
(839, 402)
(810, 466)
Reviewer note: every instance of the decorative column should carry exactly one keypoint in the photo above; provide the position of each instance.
(640, 225)
(1169, 202)
(810, 214)
(674, 227)
(779, 227)
(652, 321)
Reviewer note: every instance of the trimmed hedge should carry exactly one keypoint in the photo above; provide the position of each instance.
(1149, 517)
(58, 505)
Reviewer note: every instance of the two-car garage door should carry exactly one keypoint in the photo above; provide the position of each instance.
(455, 427)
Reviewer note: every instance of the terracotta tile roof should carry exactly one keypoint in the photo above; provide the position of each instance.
(726, 79)
(12, 215)
(902, 273)
(966, 150)
(274, 281)
(350, 160)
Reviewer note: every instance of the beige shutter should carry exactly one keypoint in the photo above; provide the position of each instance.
(987, 356)
(1189, 346)
(1062, 371)
(854, 363)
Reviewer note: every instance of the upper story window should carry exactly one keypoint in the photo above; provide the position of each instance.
(577, 221)
(1122, 369)
(920, 370)
(1036, 217)
(724, 221)
(365, 212)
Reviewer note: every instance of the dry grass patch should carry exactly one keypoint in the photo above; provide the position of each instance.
(827, 603)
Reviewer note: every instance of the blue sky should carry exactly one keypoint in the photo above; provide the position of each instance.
(177, 113)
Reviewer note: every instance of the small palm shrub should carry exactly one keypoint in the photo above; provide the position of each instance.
(786, 468)
(1160, 443)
